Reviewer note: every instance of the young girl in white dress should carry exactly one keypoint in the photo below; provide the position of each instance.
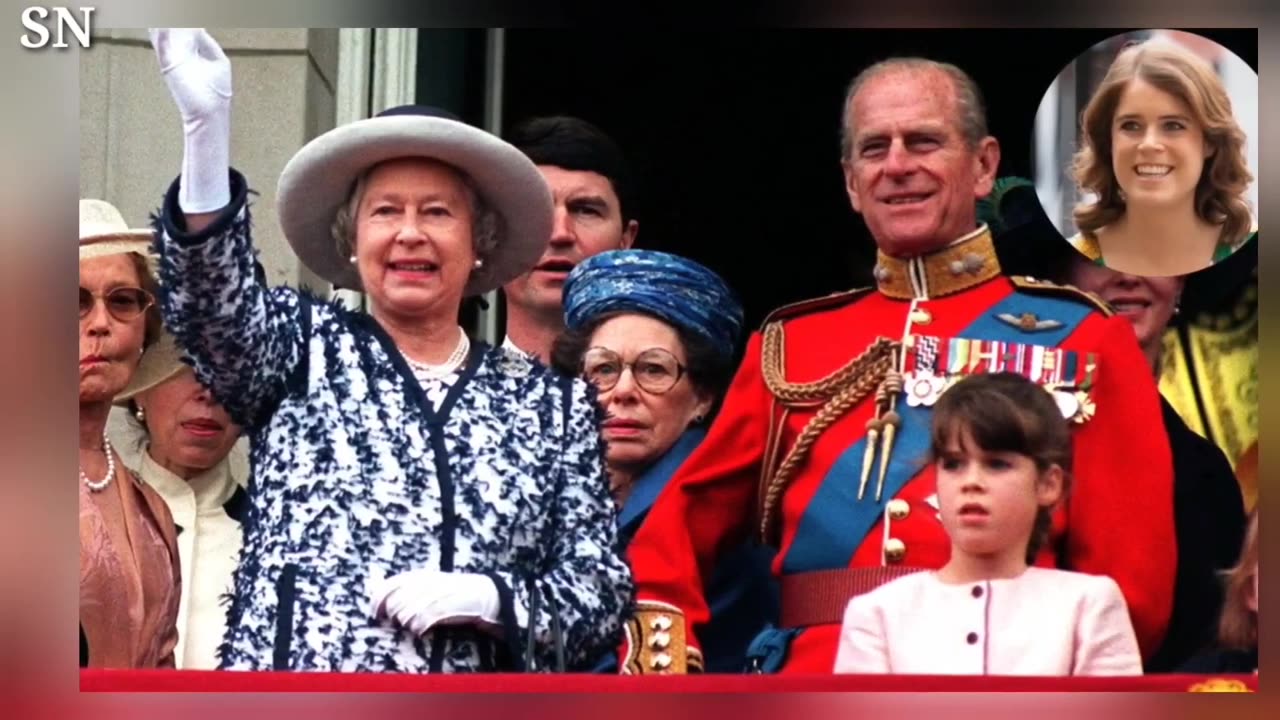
(1003, 456)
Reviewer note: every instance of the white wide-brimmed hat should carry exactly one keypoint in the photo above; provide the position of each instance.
(103, 231)
(319, 178)
(161, 361)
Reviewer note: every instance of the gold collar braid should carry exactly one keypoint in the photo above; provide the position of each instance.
(965, 263)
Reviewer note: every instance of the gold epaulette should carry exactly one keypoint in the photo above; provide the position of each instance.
(1044, 287)
(657, 642)
(811, 305)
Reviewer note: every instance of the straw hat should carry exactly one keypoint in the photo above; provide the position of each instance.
(318, 179)
(161, 361)
(103, 231)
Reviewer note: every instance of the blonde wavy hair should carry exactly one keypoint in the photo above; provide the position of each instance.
(1219, 197)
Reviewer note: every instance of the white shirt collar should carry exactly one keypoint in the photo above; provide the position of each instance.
(211, 488)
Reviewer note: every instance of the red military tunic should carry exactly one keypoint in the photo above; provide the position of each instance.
(1118, 519)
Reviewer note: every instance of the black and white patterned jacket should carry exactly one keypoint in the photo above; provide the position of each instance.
(356, 477)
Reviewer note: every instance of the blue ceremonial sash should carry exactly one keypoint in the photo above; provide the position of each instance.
(989, 326)
(836, 521)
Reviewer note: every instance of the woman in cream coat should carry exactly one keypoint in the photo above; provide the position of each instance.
(187, 442)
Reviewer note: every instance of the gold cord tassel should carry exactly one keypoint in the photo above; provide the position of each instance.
(869, 455)
(891, 387)
(891, 423)
(833, 396)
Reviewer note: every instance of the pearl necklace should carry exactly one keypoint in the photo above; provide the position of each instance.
(102, 484)
(425, 371)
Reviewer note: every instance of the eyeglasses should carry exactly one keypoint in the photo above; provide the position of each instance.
(655, 370)
(123, 303)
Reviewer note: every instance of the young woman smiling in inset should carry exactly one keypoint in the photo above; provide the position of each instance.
(1164, 158)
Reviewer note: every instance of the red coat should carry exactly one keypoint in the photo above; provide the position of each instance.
(1118, 520)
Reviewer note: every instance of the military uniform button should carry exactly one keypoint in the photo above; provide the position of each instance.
(894, 550)
(662, 622)
(660, 641)
(661, 661)
(899, 509)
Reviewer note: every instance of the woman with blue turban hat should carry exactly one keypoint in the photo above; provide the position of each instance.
(671, 288)
(657, 335)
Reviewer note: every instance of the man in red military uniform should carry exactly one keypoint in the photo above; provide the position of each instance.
(820, 445)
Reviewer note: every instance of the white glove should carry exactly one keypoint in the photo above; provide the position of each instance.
(421, 599)
(198, 74)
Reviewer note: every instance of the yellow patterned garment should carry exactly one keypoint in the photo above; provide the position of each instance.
(1209, 373)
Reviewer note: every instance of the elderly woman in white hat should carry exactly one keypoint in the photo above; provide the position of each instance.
(129, 576)
(420, 503)
(188, 437)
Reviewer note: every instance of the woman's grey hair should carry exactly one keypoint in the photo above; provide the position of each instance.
(487, 228)
(972, 119)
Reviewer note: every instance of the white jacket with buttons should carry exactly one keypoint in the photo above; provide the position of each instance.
(1043, 623)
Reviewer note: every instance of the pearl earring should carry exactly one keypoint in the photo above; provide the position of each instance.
(479, 263)
(140, 414)
(352, 259)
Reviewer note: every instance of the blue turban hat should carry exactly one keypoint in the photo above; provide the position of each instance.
(672, 288)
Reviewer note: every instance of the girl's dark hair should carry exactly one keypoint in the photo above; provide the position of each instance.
(1006, 412)
(709, 370)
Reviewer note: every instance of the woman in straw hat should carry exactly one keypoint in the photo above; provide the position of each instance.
(129, 577)
(420, 503)
(188, 437)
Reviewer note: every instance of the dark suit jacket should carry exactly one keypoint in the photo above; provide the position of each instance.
(1222, 661)
(1210, 524)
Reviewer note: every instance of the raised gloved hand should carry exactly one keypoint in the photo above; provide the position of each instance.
(198, 74)
(421, 599)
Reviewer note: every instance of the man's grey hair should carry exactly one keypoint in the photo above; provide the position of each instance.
(972, 119)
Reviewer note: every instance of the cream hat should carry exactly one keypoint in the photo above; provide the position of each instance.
(103, 231)
(162, 361)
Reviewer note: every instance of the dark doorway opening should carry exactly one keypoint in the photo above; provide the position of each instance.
(735, 134)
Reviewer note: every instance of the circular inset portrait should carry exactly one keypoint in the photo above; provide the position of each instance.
(1145, 153)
